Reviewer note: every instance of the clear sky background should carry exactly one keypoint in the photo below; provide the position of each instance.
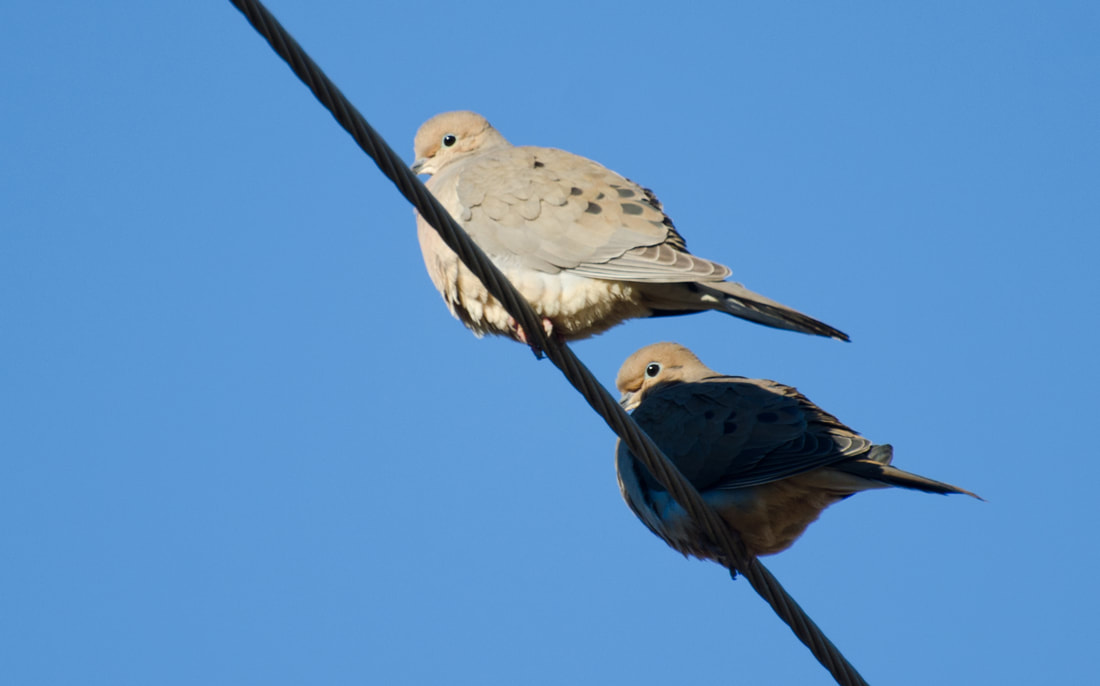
(242, 441)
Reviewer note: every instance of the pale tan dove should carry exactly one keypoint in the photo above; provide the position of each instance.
(764, 457)
(586, 247)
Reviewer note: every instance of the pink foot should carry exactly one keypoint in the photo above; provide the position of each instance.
(520, 335)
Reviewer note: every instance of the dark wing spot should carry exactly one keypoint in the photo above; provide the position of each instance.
(709, 414)
(767, 417)
(624, 192)
(539, 164)
(593, 208)
(631, 208)
(729, 427)
(601, 196)
(575, 191)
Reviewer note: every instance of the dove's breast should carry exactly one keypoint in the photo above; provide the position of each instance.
(578, 306)
(768, 517)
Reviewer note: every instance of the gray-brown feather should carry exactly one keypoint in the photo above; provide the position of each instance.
(731, 432)
(593, 222)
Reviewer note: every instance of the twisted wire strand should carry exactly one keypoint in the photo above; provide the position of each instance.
(560, 354)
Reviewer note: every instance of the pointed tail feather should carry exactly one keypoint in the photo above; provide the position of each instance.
(876, 467)
(741, 302)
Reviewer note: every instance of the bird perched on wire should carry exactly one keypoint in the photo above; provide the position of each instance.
(763, 456)
(587, 248)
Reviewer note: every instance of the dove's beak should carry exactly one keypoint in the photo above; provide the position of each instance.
(628, 400)
(419, 164)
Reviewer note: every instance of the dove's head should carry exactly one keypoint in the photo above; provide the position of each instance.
(657, 365)
(450, 136)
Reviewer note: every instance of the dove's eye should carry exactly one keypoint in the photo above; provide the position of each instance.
(449, 140)
(652, 370)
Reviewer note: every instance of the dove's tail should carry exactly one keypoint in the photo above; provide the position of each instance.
(875, 466)
(741, 302)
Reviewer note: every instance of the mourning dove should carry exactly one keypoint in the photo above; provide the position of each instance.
(764, 457)
(586, 247)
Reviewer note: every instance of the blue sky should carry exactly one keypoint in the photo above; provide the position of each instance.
(242, 440)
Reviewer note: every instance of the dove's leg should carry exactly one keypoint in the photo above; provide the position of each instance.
(520, 335)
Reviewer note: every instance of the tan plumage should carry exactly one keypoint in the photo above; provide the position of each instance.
(586, 247)
(764, 456)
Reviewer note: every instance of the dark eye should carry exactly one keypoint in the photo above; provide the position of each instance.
(449, 140)
(652, 370)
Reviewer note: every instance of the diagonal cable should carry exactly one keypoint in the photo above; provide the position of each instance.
(560, 354)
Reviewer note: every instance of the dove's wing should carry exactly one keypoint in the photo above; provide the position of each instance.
(551, 211)
(730, 432)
